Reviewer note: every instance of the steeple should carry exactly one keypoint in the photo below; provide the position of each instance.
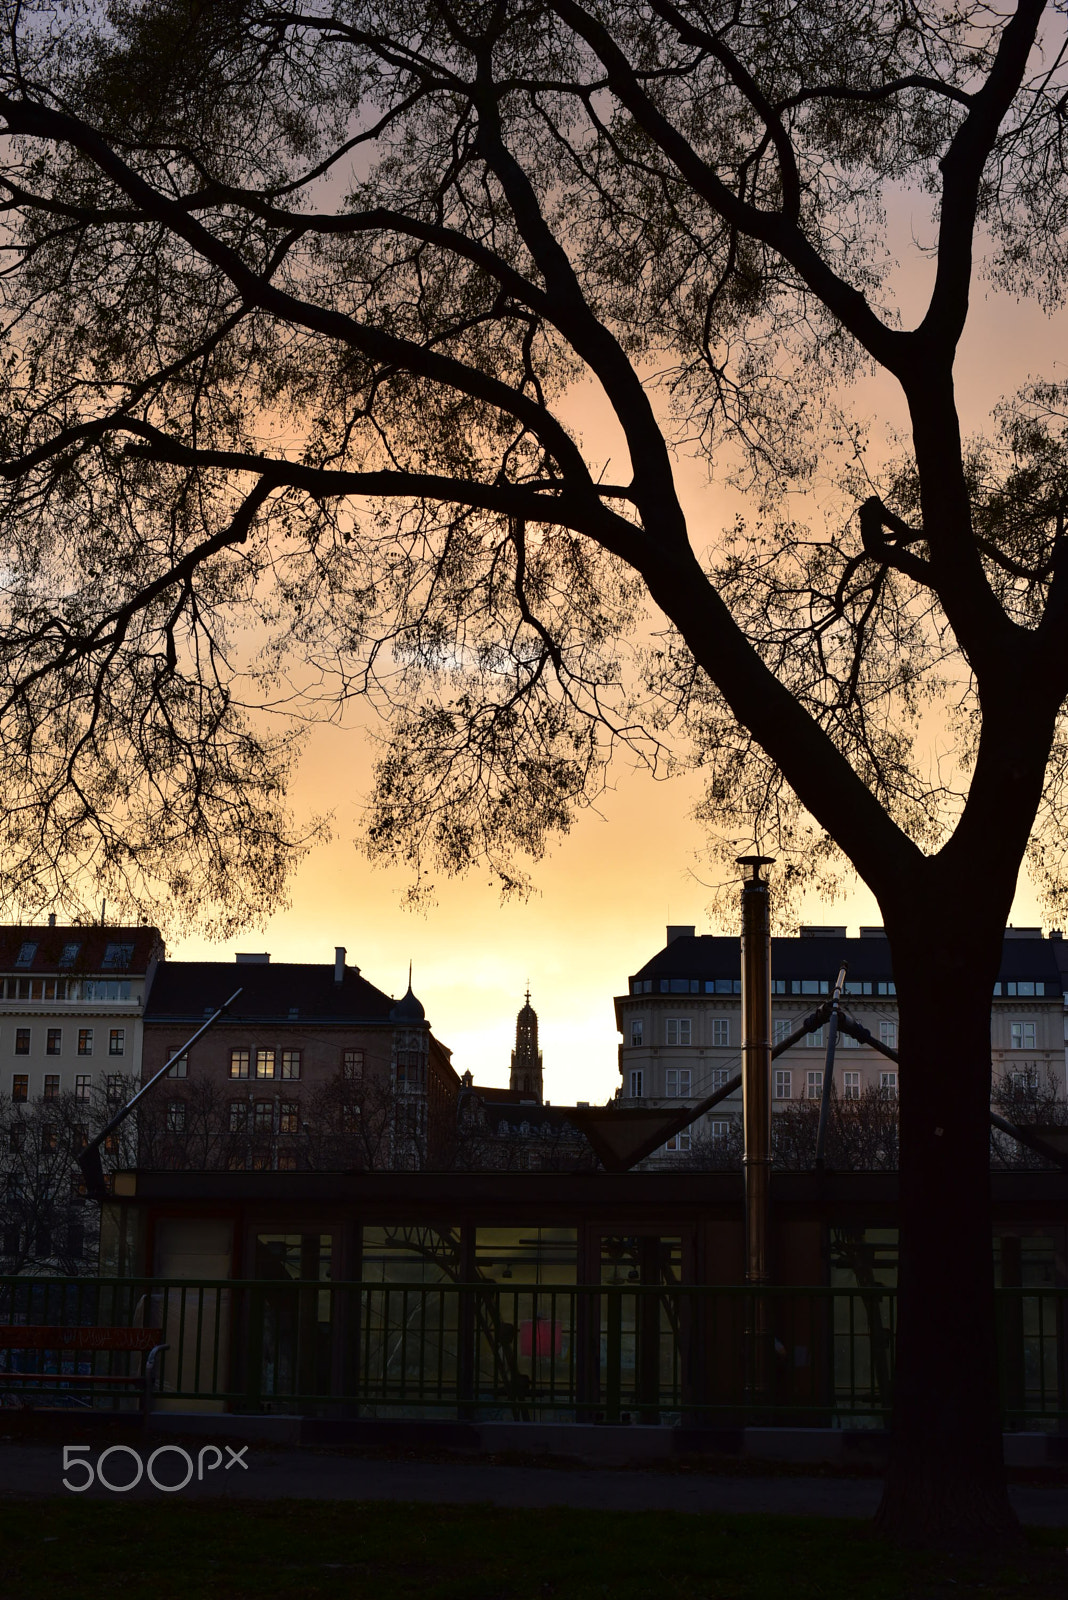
(526, 1057)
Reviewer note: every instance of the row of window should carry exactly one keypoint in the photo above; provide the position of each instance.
(678, 1083)
(86, 989)
(117, 954)
(264, 1062)
(816, 986)
(261, 1118)
(679, 1031)
(54, 1041)
(83, 1086)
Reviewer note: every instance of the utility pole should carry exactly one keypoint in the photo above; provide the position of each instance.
(756, 1119)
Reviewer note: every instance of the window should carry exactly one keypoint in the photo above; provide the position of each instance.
(352, 1063)
(20, 1086)
(117, 955)
(54, 1043)
(851, 1085)
(22, 1041)
(117, 1042)
(49, 1137)
(263, 1117)
(289, 1117)
(85, 1041)
(814, 1040)
(781, 1029)
(291, 1063)
(719, 1132)
(114, 1089)
(179, 1068)
(721, 1076)
(637, 1025)
(888, 1034)
(69, 955)
(1025, 1076)
(83, 1086)
(51, 1086)
(239, 1062)
(678, 1030)
(721, 1031)
(16, 1137)
(679, 1142)
(264, 1062)
(677, 1083)
(176, 1116)
(238, 1116)
(287, 1161)
(847, 1041)
(1022, 1035)
(25, 955)
(782, 1084)
(636, 1080)
(888, 1084)
(110, 989)
(813, 1085)
(411, 1071)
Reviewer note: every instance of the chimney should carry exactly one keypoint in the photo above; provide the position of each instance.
(680, 931)
(51, 919)
(339, 963)
(252, 958)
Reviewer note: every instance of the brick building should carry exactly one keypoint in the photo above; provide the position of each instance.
(312, 1064)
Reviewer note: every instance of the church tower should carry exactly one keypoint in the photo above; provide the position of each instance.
(526, 1057)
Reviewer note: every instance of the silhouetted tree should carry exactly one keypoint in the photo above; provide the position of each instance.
(305, 310)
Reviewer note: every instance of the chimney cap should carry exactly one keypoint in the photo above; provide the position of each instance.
(253, 958)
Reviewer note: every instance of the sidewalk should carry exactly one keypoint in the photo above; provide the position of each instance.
(36, 1471)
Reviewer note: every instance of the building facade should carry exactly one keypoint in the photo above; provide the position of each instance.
(680, 1020)
(311, 1065)
(72, 1003)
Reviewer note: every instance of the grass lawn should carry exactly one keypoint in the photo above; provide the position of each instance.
(96, 1551)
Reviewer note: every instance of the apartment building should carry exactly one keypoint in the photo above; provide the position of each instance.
(296, 1033)
(72, 1002)
(680, 1019)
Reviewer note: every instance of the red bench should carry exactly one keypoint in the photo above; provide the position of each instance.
(144, 1341)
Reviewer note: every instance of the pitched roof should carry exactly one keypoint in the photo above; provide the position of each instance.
(269, 991)
(78, 949)
(708, 957)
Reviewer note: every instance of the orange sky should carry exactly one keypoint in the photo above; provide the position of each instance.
(608, 890)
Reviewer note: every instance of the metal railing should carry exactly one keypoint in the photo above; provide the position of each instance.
(488, 1350)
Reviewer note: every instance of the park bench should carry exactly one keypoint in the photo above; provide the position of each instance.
(147, 1342)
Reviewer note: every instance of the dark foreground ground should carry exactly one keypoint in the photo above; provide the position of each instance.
(336, 1523)
(86, 1550)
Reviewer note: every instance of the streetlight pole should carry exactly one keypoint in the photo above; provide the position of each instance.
(756, 1118)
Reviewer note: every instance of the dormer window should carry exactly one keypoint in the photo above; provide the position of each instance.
(26, 955)
(69, 955)
(118, 955)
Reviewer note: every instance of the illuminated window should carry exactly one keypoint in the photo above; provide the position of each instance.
(239, 1063)
(85, 1041)
(289, 1117)
(264, 1063)
(117, 1042)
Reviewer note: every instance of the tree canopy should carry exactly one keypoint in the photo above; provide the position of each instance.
(303, 308)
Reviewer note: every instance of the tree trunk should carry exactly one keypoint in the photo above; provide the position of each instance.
(946, 1481)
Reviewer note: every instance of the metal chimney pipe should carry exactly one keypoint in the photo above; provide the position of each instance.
(756, 1114)
(339, 963)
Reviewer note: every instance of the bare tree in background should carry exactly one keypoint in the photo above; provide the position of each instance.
(305, 308)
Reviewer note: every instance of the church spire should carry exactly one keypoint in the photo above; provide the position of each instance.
(525, 1077)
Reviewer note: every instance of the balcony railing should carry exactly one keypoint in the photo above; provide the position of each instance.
(487, 1350)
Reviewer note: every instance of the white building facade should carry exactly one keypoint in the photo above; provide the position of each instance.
(71, 1007)
(680, 1020)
